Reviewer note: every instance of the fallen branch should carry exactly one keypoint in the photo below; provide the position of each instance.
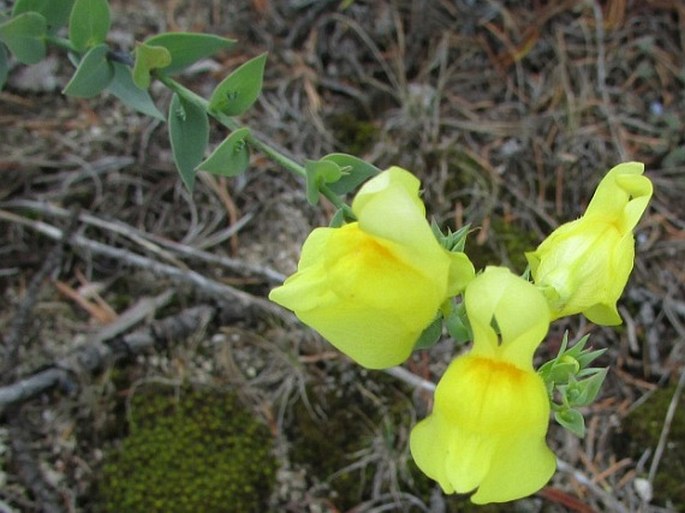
(219, 291)
(152, 242)
(98, 354)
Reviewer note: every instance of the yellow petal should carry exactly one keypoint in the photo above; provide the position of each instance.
(388, 206)
(375, 340)
(523, 466)
(488, 425)
(461, 273)
(519, 310)
(355, 290)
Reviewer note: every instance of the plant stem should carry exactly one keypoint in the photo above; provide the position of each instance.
(254, 141)
(62, 43)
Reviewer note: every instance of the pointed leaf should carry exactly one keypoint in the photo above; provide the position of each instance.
(56, 12)
(231, 157)
(588, 389)
(572, 420)
(122, 87)
(457, 325)
(24, 35)
(89, 23)
(186, 48)
(587, 357)
(355, 172)
(237, 92)
(320, 172)
(148, 58)
(430, 336)
(93, 74)
(189, 135)
(338, 219)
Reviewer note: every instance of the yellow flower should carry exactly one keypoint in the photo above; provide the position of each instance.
(583, 266)
(491, 411)
(371, 287)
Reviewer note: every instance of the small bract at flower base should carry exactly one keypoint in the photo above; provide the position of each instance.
(372, 286)
(583, 266)
(491, 412)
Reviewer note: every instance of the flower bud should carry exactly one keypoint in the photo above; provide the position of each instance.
(583, 266)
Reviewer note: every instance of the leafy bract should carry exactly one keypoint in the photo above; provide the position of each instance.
(319, 173)
(186, 48)
(24, 35)
(122, 87)
(56, 12)
(148, 57)
(239, 90)
(231, 157)
(189, 135)
(93, 74)
(354, 172)
(89, 23)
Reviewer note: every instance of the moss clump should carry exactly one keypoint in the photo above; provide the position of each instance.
(507, 243)
(641, 430)
(356, 135)
(200, 452)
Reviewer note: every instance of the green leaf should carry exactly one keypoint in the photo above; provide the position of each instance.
(454, 242)
(319, 172)
(4, 66)
(89, 23)
(338, 219)
(93, 74)
(24, 35)
(56, 12)
(430, 335)
(572, 420)
(231, 157)
(148, 58)
(239, 90)
(355, 172)
(122, 87)
(189, 135)
(187, 48)
(585, 391)
(457, 324)
(560, 370)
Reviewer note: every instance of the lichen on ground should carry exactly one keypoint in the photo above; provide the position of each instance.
(198, 451)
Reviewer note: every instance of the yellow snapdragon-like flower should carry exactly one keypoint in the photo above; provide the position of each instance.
(583, 266)
(372, 286)
(491, 411)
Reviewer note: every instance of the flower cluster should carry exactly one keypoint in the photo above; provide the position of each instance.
(375, 286)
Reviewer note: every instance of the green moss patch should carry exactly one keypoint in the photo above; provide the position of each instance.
(641, 431)
(200, 451)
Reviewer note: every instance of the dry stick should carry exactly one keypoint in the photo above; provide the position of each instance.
(605, 105)
(20, 320)
(221, 292)
(668, 420)
(410, 378)
(609, 500)
(152, 242)
(96, 354)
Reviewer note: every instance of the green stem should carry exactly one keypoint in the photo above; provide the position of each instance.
(62, 43)
(231, 124)
(254, 141)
